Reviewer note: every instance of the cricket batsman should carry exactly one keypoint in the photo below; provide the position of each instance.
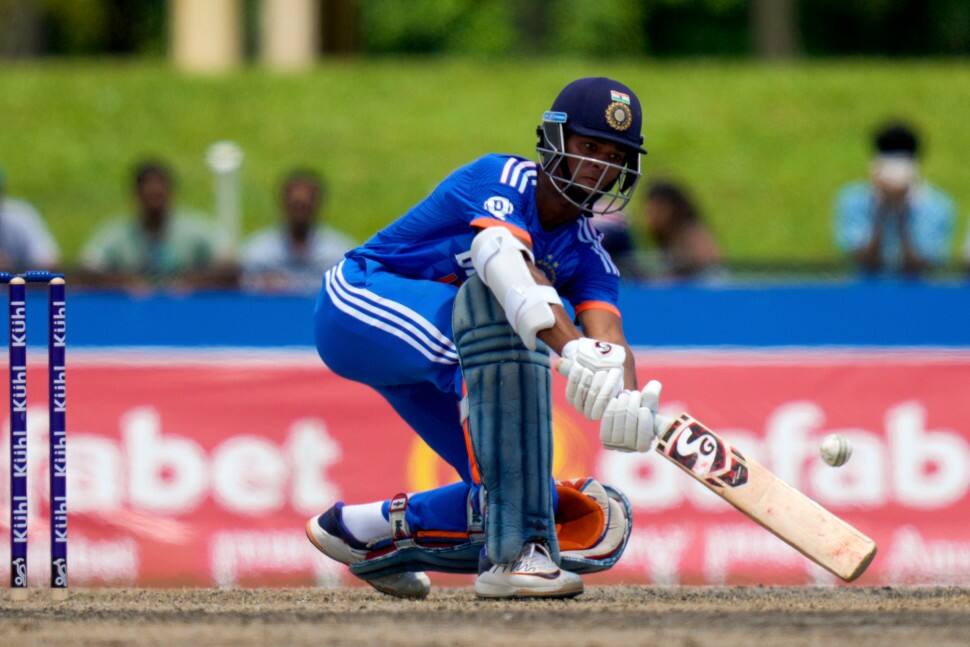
(449, 313)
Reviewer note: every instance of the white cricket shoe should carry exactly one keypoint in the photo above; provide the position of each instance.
(533, 574)
(324, 532)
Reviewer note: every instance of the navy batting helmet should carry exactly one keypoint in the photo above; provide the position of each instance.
(594, 107)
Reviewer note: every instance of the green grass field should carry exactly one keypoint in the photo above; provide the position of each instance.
(764, 147)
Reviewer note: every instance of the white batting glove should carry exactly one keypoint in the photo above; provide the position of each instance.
(594, 370)
(630, 419)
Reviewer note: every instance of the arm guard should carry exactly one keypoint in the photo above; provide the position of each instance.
(497, 258)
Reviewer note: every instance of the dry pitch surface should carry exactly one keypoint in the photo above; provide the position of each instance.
(609, 616)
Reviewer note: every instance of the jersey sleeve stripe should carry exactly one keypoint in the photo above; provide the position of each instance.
(515, 173)
(592, 237)
(521, 169)
(518, 232)
(598, 305)
(529, 177)
(504, 179)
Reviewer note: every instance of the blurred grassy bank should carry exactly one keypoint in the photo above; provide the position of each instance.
(765, 148)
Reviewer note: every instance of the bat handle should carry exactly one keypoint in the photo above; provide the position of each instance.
(563, 366)
(661, 423)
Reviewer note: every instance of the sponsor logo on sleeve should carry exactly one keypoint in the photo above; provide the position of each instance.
(499, 206)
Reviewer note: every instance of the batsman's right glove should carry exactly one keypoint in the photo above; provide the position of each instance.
(594, 373)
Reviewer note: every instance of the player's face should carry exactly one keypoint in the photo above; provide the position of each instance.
(154, 193)
(659, 216)
(301, 200)
(594, 174)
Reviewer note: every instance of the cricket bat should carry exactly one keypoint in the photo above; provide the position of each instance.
(791, 516)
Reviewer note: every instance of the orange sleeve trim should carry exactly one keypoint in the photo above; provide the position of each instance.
(598, 305)
(518, 232)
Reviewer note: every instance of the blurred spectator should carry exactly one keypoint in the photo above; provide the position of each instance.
(25, 242)
(686, 246)
(896, 222)
(293, 255)
(159, 244)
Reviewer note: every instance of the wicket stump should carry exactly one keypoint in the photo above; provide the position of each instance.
(57, 409)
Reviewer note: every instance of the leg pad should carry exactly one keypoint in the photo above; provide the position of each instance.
(509, 422)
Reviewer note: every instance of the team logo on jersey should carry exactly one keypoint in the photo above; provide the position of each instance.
(549, 265)
(618, 116)
(499, 206)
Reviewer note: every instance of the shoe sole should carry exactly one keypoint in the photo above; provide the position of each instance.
(418, 594)
(339, 552)
(489, 591)
(336, 550)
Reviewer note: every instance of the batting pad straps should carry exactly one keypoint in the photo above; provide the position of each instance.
(396, 513)
(497, 258)
(593, 523)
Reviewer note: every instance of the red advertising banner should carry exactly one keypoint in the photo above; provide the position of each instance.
(201, 469)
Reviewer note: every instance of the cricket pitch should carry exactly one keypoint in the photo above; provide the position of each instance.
(605, 615)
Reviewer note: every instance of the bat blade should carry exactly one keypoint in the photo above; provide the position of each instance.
(791, 516)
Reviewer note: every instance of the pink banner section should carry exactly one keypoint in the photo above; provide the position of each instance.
(201, 469)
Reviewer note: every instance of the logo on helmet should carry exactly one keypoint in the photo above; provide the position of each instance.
(622, 97)
(618, 116)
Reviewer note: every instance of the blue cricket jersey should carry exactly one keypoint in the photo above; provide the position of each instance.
(433, 239)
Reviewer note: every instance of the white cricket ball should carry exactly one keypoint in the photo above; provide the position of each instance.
(835, 450)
